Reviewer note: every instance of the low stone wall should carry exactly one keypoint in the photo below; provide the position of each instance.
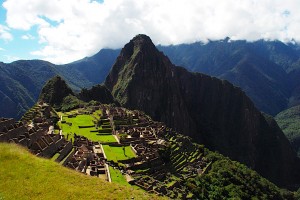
(70, 156)
(15, 133)
(2, 137)
(36, 135)
(110, 143)
(49, 151)
(6, 122)
(86, 126)
(65, 151)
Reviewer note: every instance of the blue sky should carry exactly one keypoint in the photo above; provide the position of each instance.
(63, 31)
(17, 48)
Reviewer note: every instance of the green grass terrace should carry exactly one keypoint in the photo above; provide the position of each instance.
(102, 134)
(83, 124)
(118, 153)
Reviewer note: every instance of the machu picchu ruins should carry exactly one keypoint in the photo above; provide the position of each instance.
(143, 142)
(113, 144)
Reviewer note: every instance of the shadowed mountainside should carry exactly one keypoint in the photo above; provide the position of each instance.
(211, 111)
(265, 70)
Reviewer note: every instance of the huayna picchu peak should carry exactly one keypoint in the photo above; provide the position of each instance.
(211, 111)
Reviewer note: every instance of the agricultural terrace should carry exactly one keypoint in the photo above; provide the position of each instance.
(118, 153)
(117, 177)
(87, 125)
(84, 125)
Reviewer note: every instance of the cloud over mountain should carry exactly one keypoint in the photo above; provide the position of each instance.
(69, 30)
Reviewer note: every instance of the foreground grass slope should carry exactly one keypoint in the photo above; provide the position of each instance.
(25, 176)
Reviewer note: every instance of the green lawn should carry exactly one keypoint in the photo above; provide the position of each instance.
(117, 177)
(117, 153)
(83, 120)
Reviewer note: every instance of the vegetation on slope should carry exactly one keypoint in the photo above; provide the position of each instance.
(71, 102)
(221, 178)
(231, 180)
(54, 91)
(289, 122)
(25, 176)
(97, 93)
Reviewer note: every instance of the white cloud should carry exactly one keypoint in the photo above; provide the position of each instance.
(1, 49)
(72, 29)
(27, 37)
(10, 58)
(4, 33)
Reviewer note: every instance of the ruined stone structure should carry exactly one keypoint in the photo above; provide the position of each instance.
(88, 158)
(34, 137)
(149, 140)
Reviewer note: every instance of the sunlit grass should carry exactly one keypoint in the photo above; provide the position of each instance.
(117, 153)
(83, 120)
(117, 177)
(25, 176)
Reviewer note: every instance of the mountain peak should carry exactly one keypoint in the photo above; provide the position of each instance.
(141, 38)
(138, 59)
(55, 90)
(140, 43)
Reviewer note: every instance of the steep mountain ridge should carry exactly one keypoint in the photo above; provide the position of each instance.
(211, 111)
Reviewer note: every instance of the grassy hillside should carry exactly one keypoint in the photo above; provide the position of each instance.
(24, 176)
(289, 121)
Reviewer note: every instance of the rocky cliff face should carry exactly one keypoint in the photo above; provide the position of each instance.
(211, 111)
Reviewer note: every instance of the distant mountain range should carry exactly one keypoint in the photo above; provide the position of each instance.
(267, 71)
(22, 81)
